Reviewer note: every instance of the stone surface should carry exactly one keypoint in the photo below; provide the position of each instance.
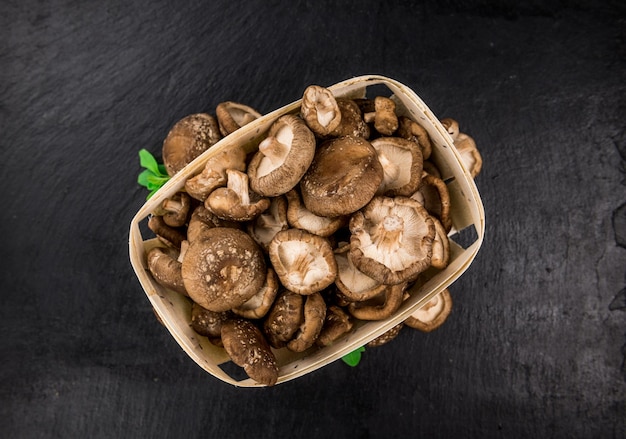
(533, 347)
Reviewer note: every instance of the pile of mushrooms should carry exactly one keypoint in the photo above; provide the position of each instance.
(331, 221)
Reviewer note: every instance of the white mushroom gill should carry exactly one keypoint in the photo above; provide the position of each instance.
(396, 164)
(324, 104)
(430, 310)
(304, 263)
(354, 279)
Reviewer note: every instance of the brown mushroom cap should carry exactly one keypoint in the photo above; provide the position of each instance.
(209, 323)
(213, 174)
(284, 318)
(203, 219)
(352, 122)
(432, 314)
(391, 239)
(319, 110)
(304, 262)
(176, 209)
(470, 155)
(434, 196)
(224, 269)
(283, 157)
(307, 333)
(386, 337)
(451, 126)
(248, 348)
(402, 164)
(336, 324)
(165, 268)
(187, 139)
(300, 217)
(411, 130)
(391, 297)
(232, 115)
(258, 305)
(170, 236)
(236, 202)
(343, 177)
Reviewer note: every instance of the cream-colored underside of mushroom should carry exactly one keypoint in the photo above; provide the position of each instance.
(307, 220)
(241, 116)
(355, 280)
(304, 263)
(430, 310)
(285, 136)
(408, 247)
(397, 163)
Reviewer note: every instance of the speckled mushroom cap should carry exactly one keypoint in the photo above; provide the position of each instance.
(304, 262)
(391, 239)
(352, 122)
(223, 269)
(248, 348)
(283, 157)
(343, 177)
(187, 139)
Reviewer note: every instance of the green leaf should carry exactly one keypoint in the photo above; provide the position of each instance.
(163, 170)
(142, 178)
(147, 160)
(354, 357)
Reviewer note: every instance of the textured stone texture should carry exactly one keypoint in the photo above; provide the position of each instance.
(533, 347)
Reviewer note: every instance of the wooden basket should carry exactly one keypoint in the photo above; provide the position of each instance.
(466, 236)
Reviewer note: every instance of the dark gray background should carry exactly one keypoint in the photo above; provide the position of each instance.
(535, 344)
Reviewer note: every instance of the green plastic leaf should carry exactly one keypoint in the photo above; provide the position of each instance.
(147, 160)
(354, 357)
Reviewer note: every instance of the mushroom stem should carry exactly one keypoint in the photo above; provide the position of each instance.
(171, 205)
(238, 182)
(274, 150)
(388, 233)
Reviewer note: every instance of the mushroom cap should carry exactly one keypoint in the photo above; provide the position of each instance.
(385, 119)
(304, 262)
(432, 314)
(307, 333)
(343, 177)
(386, 337)
(300, 217)
(319, 110)
(233, 115)
(213, 174)
(283, 157)
(248, 348)
(258, 305)
(236, 202)
(337, 323)
(411, 130)
(352, 122)
(209, 323)
(391, 239)
(170, 236)
(176, 209)
(269, 222)
(354, 285)
(166, 269)
(380, 307)
(187, 139)
(436, 199)
(451, 126)
(203, 219)
(223, 269)
(402, 164)
(284, 318)
(470, 155)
